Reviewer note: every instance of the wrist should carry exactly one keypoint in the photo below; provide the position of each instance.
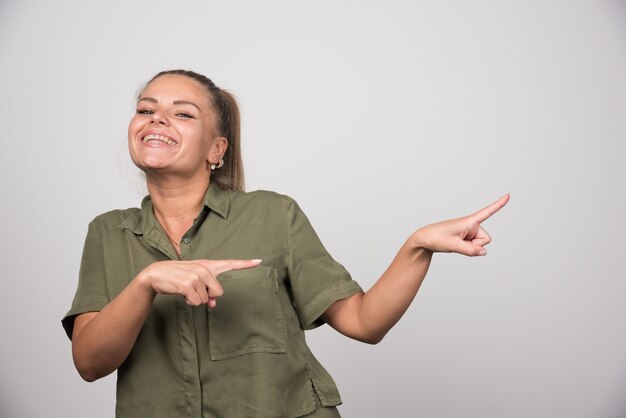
(418, 242)
(416, 250)
(142, 282)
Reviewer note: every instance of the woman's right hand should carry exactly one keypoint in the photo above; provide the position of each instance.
(102, 340)
(195, 280)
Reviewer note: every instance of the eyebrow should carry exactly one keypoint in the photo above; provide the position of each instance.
(176, 102)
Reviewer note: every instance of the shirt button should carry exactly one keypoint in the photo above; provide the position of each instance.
(186, 240)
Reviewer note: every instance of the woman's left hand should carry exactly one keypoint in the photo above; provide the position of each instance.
(461, 235)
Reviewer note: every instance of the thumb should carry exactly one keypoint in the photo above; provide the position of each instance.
(468, 249)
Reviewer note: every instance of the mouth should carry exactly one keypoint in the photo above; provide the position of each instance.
(158, 139)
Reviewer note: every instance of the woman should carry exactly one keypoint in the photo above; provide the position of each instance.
(233, 345)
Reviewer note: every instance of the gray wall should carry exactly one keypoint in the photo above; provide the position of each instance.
(378, 117)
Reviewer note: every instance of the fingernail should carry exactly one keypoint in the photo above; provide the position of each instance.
(482, 252)
(257, 260)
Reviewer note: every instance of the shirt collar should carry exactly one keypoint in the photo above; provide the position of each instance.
(140, 222)
(217, 200)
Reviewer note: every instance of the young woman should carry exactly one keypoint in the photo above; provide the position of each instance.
(200, 298)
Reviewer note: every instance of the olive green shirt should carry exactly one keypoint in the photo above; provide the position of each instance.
(247, 357)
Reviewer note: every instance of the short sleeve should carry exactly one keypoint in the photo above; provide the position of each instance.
(317, 280)
(91, 294)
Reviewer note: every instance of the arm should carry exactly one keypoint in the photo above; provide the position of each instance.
(101, 341)
(369, 316)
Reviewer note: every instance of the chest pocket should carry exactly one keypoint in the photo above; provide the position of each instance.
(247, 318)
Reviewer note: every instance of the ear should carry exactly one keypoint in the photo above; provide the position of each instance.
(217, 150)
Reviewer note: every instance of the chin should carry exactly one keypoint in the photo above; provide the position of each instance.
(150, 164)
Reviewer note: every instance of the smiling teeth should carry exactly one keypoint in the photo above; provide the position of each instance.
(158, 138)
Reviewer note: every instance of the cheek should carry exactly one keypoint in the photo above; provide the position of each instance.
(133, 127)
(199, 138)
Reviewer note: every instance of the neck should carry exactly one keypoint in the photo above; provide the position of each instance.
(176, 205)
(173, 199)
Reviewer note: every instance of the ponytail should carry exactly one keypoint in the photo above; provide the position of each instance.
(230, 176)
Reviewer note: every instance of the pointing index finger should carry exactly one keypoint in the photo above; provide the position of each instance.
(484, 214)
(221, 266)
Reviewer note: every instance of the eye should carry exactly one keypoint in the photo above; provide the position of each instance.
(144, 111)
(184, 115)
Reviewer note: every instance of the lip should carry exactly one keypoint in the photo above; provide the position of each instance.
(141, 137)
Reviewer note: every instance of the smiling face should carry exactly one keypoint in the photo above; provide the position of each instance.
(173, 130)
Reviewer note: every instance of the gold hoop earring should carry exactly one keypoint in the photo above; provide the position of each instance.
(220, 164)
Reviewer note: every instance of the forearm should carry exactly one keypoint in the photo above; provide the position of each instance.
(387, 300)
(369, 316)
(102, 344)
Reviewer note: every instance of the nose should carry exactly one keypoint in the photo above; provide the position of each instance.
(160, 117)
